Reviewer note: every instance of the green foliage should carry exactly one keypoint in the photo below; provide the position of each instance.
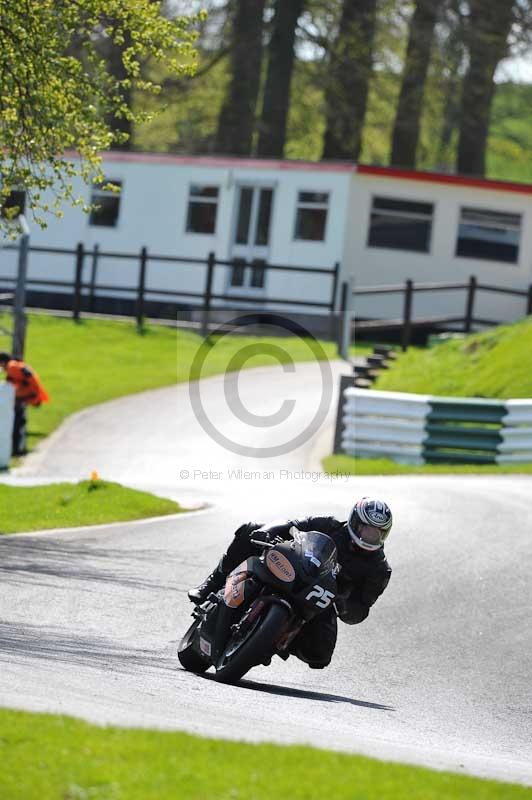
(47, 757)
(68, 505)
(56, 93)
(186, 112)
(510, 142)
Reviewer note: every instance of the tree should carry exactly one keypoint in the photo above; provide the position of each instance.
(489, 25)
(120, 124)
(406, 130)
(57, 95)
(237, 117)
(452, 60)
(350, 68)
(276, 101)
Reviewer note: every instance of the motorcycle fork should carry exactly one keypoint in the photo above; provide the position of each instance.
(286, 639)
(225, 619)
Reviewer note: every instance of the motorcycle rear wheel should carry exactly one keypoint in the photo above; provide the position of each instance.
(260, 644)
(187, 655)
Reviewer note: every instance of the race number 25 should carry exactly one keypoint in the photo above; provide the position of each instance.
(323, 596)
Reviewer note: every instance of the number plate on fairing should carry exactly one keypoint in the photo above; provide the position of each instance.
(205, 646)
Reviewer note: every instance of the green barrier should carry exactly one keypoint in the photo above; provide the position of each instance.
(466, 432)
(462, 413)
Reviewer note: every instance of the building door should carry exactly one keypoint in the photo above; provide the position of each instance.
(251, 240)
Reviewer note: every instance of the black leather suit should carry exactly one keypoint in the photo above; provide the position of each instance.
(363, 578)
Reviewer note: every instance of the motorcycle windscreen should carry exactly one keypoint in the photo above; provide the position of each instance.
(318, 550)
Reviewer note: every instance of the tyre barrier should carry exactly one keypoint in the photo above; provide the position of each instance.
(418, 429)
(7, 396)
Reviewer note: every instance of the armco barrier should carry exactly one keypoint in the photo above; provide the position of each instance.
(420, 429)
(6, 422)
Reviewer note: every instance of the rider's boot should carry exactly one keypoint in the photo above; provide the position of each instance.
(213, 583)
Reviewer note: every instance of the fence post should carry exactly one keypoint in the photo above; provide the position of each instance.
(334, 291)
(141, 286)
(345, 382)
(468, 319)
(76, 301)
(407, 315)
(211, 261)
(94, 272)
(19, 304)
(346, 319)
(341, 313)
(529, 301)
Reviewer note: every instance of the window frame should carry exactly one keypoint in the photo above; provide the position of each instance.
(520, 215)
(206, 200)
(403, 214)
(312, 205)
(97, 191)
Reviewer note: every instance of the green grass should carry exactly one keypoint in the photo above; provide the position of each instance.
(345, 465)
(48, 757)
(496, 363)
(66, 505)
(97, 360)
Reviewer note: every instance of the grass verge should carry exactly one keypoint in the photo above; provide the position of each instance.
(346, 465)
(49, 757)
(95, 360)
(495, 363)
(69, 505)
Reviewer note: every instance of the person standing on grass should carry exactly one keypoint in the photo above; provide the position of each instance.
(28, 391)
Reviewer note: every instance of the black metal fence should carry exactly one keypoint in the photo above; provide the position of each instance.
(407, 323)
(84, 292)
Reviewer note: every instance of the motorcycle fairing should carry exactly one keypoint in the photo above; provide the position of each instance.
(234, 592)
(280, 566)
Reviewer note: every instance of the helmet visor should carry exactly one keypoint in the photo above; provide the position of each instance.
(374, 537)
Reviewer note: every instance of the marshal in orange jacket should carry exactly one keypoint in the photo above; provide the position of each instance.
(28, 387)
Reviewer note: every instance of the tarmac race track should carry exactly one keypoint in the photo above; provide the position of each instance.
(438, 675)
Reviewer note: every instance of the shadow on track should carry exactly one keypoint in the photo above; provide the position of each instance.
(29, 559)
(287, 691)
(21, 642)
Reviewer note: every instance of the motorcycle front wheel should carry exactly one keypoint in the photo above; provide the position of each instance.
(245, 650)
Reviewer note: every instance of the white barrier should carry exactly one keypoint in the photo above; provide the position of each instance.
(419, 428)
(7, 396)
(384, 424)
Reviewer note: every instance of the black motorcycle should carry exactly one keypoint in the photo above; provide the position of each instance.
(264, 605)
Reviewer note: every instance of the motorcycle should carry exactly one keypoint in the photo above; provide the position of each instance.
(263, 606)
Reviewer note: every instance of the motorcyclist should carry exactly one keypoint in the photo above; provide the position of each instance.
(364, 574)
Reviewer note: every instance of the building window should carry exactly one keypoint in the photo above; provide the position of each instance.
(311, 216)
(248, 275)
(202, 208)
(15, 204)
(489, 235)
(106, 204)
(400, 224)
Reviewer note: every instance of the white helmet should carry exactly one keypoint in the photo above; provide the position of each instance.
(369, 523)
